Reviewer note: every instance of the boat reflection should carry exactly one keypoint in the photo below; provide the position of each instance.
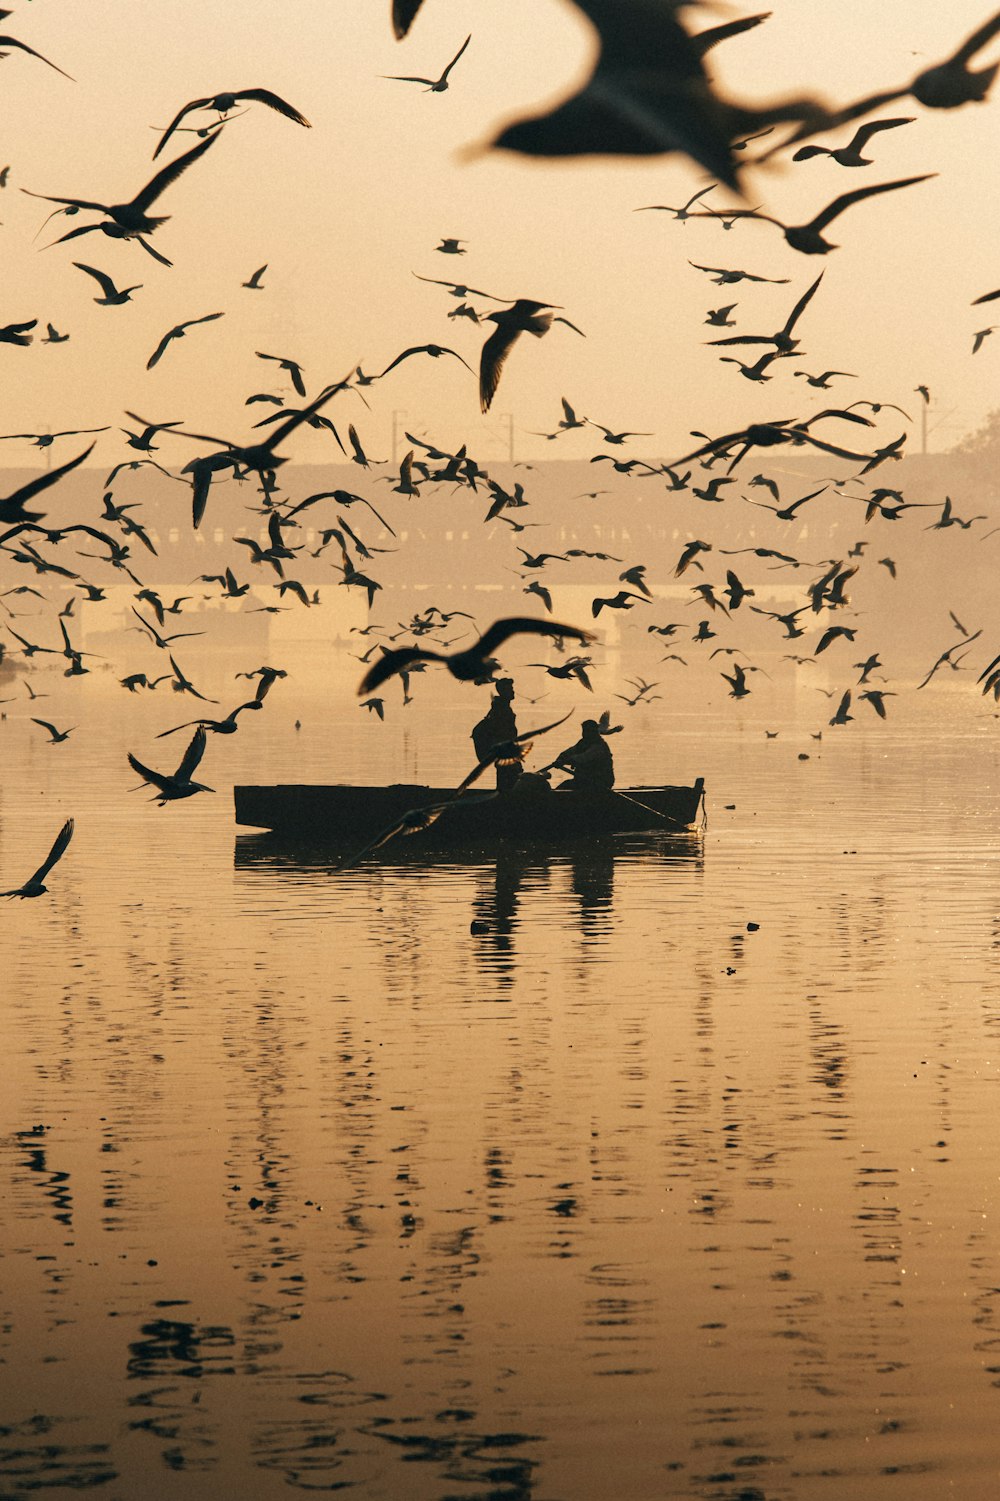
(503, 880)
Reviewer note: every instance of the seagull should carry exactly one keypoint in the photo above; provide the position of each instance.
(227, 726)
(56, 737)
(434, 85)
(524, 316)
(680, 214)
(179, 784)
(434, 350)
(980, 337)
(724, 278)
(255, 284)
(450, 247)
(46, 440)
(291, 367)
(177, 332)
(808, 238)
(647, 95)
(34, 885)
(224, 104)
(475, 661)
(850, 155)
(782, 340)
(133, 218)
(113, 297)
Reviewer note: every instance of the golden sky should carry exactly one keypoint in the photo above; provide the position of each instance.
(344, 213)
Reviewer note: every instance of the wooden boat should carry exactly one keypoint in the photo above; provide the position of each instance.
(347, 816)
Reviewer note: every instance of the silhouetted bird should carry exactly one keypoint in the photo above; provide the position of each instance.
(34, 885)
(475, 662)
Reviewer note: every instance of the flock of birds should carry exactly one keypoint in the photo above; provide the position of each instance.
(625, 107)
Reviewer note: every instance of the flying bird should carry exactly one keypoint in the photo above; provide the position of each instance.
(524, 316)
(475, 661)
(255, 284)
(434, 85)
(177, 332)
(35, 884)
(172, 786)
(132, 220)
(808, 238)
(224, 104)
(850, 155)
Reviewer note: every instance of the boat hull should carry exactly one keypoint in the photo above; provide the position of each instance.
(344, 815)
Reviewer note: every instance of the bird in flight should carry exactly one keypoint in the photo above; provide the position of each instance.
(224, 104)
(850, 155)
(255, 284)
(113, 296)
(172, 786)
(56, 737)
(177, 332)
(475, 662)
(434, 85)
(808, 238)
(523, 316)
(35, 884)
(132, 220)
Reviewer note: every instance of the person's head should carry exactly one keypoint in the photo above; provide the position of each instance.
(591, 729)
(505, 689)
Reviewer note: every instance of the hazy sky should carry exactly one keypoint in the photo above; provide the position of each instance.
(344, 213)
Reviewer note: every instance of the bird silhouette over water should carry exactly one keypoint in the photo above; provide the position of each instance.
(35, 884)
(224, 104)
(179, 784)
(475, 662)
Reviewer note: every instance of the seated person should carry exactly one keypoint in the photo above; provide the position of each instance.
(589, 760)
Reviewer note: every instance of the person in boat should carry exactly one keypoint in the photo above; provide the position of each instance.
(590, 760)
(497, 726)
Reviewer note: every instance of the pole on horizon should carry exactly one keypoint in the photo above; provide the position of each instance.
(396, 414)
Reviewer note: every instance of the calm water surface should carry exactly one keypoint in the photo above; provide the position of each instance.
(307, 1187)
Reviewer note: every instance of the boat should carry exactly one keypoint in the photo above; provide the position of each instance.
(346, 816)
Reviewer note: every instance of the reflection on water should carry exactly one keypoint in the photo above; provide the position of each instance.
(645, 1167)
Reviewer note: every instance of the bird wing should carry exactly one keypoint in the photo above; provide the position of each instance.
(192, 756)
(170, 173)
(161, 348)
(495, 351)
(106, 284)
(35, 486)
(46, 726)
(865, 132)
(275, 102)
(187, 108)
(454, 60)
(10, 41)
(57, 851)
(845, 200)
(501, 631)
(403, 14)
(801, 305)
(392, 662)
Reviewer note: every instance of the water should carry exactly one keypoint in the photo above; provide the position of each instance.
(678, 1181)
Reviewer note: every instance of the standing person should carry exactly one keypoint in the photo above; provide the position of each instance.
(498, 725)
(590, 760)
